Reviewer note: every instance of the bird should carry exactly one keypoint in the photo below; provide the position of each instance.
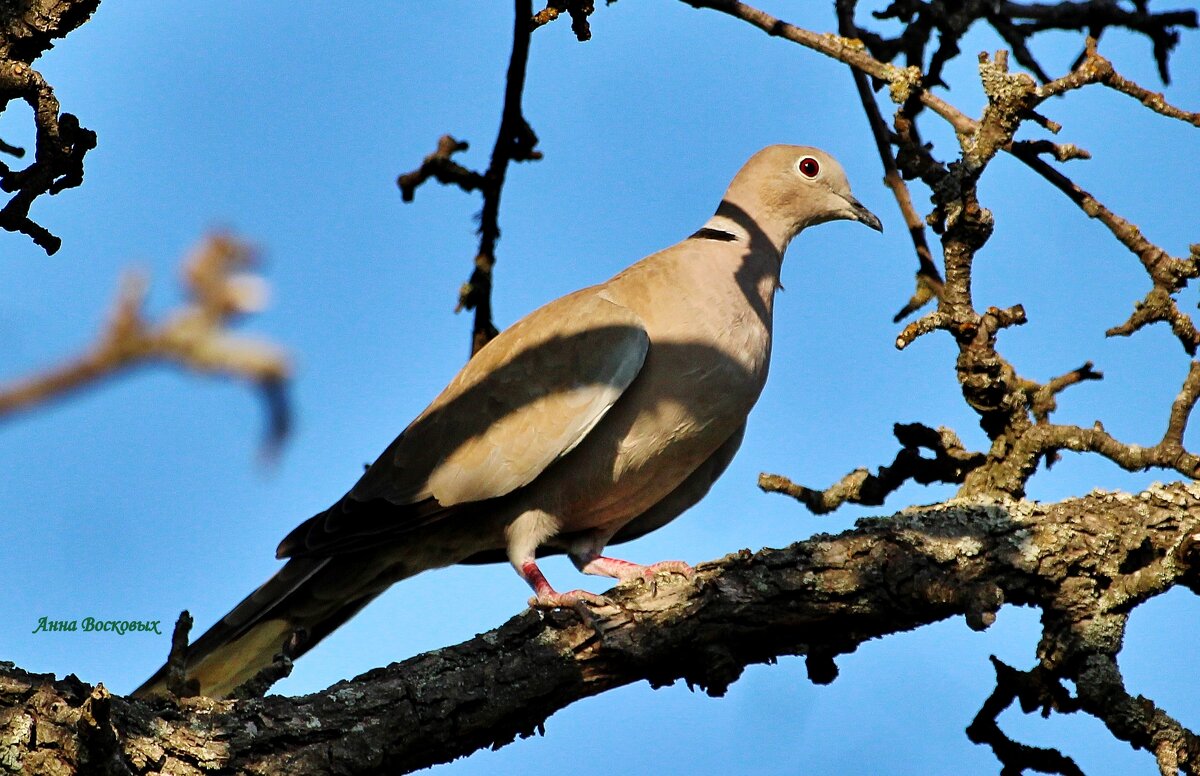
(594, 420)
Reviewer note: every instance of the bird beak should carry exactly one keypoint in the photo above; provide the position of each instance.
(858, 212)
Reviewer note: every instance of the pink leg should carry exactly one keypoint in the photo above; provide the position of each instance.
(547, 596)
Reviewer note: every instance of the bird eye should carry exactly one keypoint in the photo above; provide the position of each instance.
(809, 167)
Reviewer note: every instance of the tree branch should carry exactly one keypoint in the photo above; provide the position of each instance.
(1013, 411)
(515, 142)
(1083, 562)
(1034, 689)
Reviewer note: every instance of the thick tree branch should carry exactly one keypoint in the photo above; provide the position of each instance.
(1084, 562)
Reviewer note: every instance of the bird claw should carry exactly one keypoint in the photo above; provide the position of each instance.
(668, 567)
(650, 573)
(572, 599)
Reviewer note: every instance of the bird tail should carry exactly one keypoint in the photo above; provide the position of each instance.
(291, 608)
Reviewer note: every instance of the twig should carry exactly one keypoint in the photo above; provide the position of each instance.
(579, 11)
(928, 279)
(440, 166)
(951, 463)
(1034, 689)
(903, 82)
(514, 142)
(1042, 400)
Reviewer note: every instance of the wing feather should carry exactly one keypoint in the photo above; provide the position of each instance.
(524, 401)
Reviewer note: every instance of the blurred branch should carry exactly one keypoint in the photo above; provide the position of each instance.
(1085, 563)
(515, 141)
(194, 337)
(26, 31)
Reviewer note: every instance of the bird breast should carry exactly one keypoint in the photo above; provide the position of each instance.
(693, 392)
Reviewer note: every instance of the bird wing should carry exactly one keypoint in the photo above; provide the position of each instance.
(526, 399)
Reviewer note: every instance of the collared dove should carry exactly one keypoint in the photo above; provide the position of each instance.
(593, 420)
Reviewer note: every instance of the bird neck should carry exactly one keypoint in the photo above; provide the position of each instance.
(753, 223)
(759, 257)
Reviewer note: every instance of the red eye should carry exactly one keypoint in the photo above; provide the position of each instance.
(809, 167)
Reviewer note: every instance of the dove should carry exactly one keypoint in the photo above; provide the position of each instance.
(597, 418)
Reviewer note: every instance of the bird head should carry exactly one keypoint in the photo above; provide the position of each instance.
(784, 189)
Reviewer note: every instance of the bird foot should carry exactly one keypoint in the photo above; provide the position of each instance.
(546, 597)
(625, 571)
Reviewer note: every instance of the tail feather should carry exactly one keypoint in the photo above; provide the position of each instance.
(312, 595)
(248, 638)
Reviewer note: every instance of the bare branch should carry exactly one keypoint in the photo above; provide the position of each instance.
(1042, 399)
(1034, 689)
(515, 142)
(440, 166)
(1137, 720)
(579, 11)
(950, 464)
(928, 279)
(1017, 23)
(26, 31)
(903, 82)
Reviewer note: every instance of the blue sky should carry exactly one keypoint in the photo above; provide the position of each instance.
(288, 124)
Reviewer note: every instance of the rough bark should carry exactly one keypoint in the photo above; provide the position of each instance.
(1084, 562)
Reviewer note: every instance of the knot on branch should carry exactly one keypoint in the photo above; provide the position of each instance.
(820, 666)
(712, 668)
(522, 142)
